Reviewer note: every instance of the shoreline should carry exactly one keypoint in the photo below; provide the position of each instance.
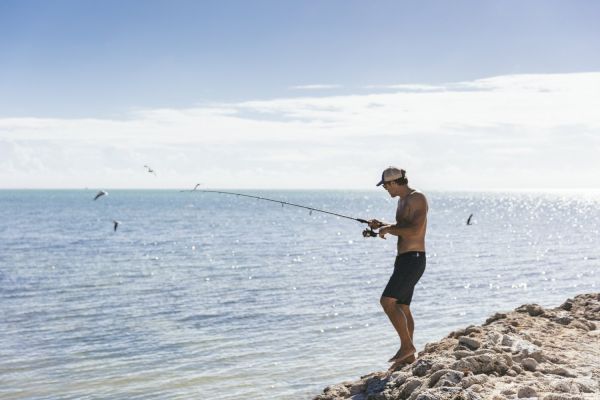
(530, 352)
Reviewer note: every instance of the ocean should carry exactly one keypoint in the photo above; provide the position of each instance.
(208, 296)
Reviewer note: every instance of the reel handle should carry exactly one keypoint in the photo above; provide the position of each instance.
(369, 233)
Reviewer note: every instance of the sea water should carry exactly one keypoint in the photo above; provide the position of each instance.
(223, 297)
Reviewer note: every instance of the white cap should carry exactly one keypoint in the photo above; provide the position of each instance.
(391, 174)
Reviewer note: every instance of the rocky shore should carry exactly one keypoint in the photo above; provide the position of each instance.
(529, 353)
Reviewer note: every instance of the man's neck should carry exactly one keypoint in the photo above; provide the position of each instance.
(404, 191)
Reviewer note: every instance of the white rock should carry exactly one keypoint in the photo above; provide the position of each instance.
(527, 392)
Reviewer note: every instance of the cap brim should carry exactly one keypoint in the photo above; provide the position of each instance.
(380, 183)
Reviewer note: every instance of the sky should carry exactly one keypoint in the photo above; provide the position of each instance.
(464, 95)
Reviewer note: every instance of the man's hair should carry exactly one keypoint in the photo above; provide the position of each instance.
(401, 181)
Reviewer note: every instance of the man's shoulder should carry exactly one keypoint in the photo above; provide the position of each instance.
(417, 198)
(417, 195)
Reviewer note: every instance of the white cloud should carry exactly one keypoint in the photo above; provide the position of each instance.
(505, 131)
(409, 87)
(315, 87)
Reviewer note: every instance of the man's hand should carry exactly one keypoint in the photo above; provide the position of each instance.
(375, 224)
(384, 231)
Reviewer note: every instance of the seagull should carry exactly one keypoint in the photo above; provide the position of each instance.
(115, 224)
(150, 170)
(469, 219)
(195, 188)
(100, 194)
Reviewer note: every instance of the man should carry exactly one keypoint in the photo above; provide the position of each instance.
(410, 227)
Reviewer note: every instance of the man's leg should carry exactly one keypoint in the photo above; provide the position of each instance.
(400, 323)
(410, 324)
(409, 319)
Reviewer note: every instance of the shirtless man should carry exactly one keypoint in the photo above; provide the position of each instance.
(410, 227)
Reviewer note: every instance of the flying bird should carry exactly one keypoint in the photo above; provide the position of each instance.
(115, 225)
(100, 194)
(150, 170)
(469, 219)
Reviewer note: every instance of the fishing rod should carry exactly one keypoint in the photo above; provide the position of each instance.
(366, 233)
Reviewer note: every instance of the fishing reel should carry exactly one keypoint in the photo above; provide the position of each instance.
(369, 233)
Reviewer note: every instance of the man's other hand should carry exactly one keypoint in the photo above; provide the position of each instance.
(375, 224)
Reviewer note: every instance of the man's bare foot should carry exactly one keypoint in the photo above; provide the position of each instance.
(406, 356)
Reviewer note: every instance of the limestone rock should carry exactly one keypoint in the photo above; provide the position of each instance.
(532, 352)
(532, 309)
(495, 317)
(526, 392)
(529, 364)
(421, 367)
(469, 342)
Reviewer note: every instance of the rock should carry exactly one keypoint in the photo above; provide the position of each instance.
(335, 391)
(511, 372)
(507, 340)
(529, 364)
(564, 386)
(495, 317)
(470, 380)
(356, 389)
(375, 385)
(493, 338)
(449, 379)
(563, 319)
(517, 344)
(438, 366)
(482, 364)
(526, 392)
(533, 310)
(409, 387)
(421, 367)
(515, 355)
(469, 342)
(458, 354)
(398, 378)
(556, 396)
(585, 385)
(567, 305)
(538, 356)
(433, 378)
(476, 388)
(428, 396)
(561, 371)
(473, 329)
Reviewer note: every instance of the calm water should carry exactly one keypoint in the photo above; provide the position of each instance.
(211, 296)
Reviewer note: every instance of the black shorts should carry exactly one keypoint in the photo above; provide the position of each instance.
(408, 269)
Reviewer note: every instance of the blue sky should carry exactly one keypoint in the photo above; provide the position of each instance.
(82, 66)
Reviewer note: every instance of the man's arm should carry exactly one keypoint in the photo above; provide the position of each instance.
(376, 224)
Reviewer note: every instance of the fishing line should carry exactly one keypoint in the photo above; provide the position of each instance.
(366, 232)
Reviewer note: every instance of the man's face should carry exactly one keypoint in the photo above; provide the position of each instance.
(390, 186)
